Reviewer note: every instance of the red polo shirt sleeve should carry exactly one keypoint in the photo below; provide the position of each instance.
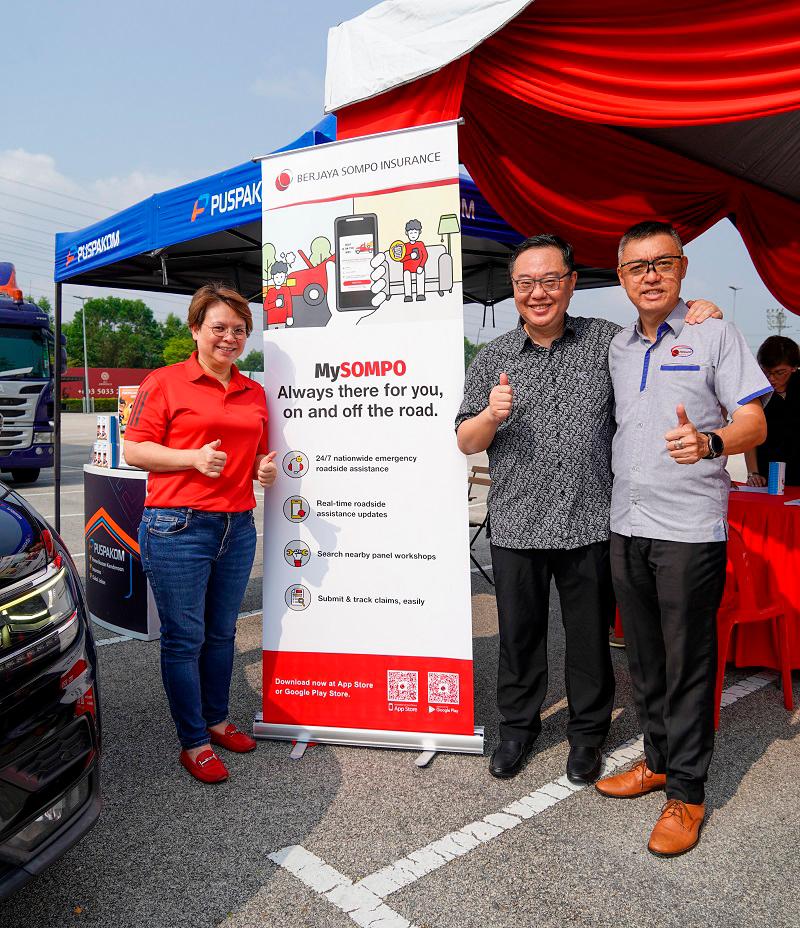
(180, 406)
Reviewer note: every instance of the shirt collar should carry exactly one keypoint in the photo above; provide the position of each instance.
(193, 369)
(195, 372)
(675, 321)
(523, 338)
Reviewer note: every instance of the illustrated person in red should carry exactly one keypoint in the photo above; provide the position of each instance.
(278, 300)
(416, 255)
(200, 428)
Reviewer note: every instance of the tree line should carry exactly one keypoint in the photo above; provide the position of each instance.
(125, 333)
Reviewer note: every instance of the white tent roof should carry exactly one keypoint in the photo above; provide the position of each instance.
(398, 41)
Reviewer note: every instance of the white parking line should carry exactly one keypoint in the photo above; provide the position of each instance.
(363, 901)
(474, 570)
(50, 492)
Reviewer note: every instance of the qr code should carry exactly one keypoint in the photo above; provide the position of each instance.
(443, 688)
(403, 685)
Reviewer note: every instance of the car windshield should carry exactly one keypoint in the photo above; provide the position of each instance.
(23, 353)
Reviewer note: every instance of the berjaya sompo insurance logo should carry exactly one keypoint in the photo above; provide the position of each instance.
(283, 180)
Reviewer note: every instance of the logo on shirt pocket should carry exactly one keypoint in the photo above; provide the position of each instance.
(682, 351)
(680, 367)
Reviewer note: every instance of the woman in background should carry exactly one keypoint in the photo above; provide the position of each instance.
(200, 428)
(779, 358)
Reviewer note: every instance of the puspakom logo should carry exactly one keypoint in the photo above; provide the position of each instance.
(229, 200)
(200, 205)
(682, 351)
(283, 180)
(96, 246)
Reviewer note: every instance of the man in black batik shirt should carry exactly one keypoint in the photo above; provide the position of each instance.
(539, 400)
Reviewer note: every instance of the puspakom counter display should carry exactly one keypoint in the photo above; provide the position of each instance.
(117, 591)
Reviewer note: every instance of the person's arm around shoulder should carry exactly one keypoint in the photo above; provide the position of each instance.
(476, 434)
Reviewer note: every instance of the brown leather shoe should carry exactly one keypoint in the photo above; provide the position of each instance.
(678, 829)
(637, 781)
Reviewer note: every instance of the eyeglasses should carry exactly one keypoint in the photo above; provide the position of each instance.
(774, 373)
(525, 285)
(665, 265)
(238, 333)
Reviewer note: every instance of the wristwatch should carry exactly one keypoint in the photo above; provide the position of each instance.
(716, 446)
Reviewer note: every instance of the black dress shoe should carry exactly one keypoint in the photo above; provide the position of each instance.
(508, 758)
(583, 764)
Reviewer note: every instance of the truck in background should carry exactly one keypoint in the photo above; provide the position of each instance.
(27, 353)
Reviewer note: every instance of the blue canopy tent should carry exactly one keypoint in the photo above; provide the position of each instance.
(210, 229)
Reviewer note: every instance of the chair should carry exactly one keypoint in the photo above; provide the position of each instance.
(438, 273)
(478, 477)
(741, 604)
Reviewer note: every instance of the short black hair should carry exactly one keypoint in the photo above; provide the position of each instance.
(545, 240)
(279, 267)
(648, 229)
(414, 224)
(778, 349)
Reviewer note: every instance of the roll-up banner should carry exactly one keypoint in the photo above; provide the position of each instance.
(367, 621)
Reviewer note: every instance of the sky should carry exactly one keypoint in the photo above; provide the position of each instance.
(105, 104)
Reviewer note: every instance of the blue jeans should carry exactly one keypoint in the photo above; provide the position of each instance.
(198, 564)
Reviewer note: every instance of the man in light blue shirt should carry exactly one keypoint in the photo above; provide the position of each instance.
(675, 387)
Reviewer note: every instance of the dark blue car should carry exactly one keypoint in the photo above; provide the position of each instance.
(49, 712)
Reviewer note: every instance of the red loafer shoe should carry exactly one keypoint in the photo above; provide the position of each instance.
(232, 739)
(206, 767)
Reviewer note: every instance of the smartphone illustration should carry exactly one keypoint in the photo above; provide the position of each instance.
(296, 509)
(356, 245)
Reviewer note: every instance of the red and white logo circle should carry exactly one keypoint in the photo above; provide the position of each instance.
(682, 351)
(283, 180)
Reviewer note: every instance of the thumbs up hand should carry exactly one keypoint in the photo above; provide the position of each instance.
(267, 470)
(208, 460)
(501, 399)
(685, 445)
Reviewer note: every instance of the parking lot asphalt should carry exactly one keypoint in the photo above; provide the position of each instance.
(375, 840)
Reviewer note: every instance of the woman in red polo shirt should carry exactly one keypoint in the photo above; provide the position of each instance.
(200, 428)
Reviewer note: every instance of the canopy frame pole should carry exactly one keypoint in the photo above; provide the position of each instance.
(489, 302)
(57, 415)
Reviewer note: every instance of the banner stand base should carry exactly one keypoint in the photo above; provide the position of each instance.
(372, 738)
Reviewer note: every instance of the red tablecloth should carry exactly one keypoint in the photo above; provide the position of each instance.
(771, 533)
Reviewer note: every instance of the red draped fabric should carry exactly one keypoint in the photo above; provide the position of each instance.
(541, 100)
(675, 63)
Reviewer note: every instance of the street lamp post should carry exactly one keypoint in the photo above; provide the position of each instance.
(735, 291)
(86, 400)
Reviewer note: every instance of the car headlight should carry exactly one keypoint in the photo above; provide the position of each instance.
(23, 842)
(43, 438)
(37, 621)
(48, 603)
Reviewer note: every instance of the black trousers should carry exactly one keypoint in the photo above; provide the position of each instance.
(668, 594)
(522, 581)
